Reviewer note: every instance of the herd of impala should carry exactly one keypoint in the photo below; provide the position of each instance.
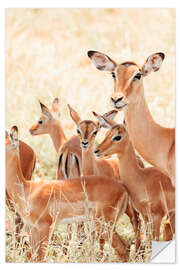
(102, 187)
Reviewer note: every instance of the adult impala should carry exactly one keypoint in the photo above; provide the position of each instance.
(155, 143)
(69, 150)
(44, 203)
(151, 191)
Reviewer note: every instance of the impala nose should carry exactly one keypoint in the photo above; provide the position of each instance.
(116, 100)
(84, 144)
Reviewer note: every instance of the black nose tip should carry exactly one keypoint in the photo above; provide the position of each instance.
(84, 143)
(117, 100)
(96, 151)
(90, 53)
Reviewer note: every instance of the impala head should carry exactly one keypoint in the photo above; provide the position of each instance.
(11, 141)
(116, 139)
(86, 130)
(127, 76)
(47, 119)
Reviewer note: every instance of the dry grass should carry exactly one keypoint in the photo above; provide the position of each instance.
(46, 57)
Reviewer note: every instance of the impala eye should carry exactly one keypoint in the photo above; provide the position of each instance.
(117, 138)
(137, 76)
(40, 122)
(113, 75)
(95, 132)
(78, 131)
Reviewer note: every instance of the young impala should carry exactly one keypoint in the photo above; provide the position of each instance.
(44, 203)
(69, 151)
(27, 161)
(155, 143)
(87, 131)
(151, 192)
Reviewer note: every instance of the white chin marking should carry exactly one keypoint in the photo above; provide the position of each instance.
(99, 155)
(120, 106)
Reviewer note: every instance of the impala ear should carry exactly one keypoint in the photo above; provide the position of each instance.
(14, 136)
(74, 115)
(45, 111)
(102, 121)
(153, 63)
(110, 115)
(102, 61)
(6, 134)
(55, 105)
(125, 125)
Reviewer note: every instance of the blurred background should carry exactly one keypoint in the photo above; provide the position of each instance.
(46, 57)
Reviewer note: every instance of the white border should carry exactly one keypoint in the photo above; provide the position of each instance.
(79, 4)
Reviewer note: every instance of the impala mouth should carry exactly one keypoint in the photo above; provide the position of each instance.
(118, 105)
(96, 152)
(85, 145)
(31, 132)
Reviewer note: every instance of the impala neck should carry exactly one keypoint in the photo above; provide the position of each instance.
(143, 131)
(129, 169)
(89, 166)
(57, 135)
(15, 181)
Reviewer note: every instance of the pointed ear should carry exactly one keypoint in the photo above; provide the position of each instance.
(45, 111)
(110, 115)
(102, 61)
(102, 121)
(14, 136)
(74, 115)
(153, 63)
(6, 134)
(125, 124)
(55, 105)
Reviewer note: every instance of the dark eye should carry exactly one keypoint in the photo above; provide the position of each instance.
(40, 122)
(113, 75)
(95, 132)
(78, 131)
(137, 76)
(117, 138)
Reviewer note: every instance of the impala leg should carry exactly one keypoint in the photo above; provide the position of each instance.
(169, 227)
(136, 223)
(156, 223)
(119, 244)
(121, 247)
(80, 231)
(39, 240)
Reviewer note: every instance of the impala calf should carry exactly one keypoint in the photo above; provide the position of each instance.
(42, 204)
(69, 151)
(87, 131)
(27, 162)
(151, 192)
(155, 143)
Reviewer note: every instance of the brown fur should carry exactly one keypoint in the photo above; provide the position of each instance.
(44, 203)
(145, 134)
(27, 161)
(152, 192)
(67, 148)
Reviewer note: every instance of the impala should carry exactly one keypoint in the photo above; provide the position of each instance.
(155, 143)
(151, 192)
(87, 131)
(27, 162)
(69, 151)
(42, 204)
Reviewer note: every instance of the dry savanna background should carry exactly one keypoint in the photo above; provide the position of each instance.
(46, 57)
